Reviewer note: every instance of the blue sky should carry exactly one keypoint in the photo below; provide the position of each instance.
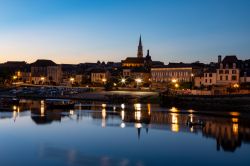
(74, 31)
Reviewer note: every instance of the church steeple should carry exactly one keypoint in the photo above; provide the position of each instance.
(140, 49)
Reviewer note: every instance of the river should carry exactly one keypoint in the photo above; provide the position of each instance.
(104, 134)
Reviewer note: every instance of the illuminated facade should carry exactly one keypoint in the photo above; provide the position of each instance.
(45, 71)
(99, 76)
(160, 76)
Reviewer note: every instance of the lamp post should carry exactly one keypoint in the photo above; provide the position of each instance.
(176, 85)
(104, 80)
(236, 86)
(72, 80)
(14, 79)
(123, 80)
(174, 80)
(42, 79)
(138, 81)
(192, 80)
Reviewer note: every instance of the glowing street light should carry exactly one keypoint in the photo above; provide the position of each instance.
(236, 85)
(42, 79)
(174, 80)
(176, 85)
(123, 80)
(14, 77)
(138, 80)
(104, 80)
(72, 80)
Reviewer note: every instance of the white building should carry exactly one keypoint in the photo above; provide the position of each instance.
(228, 72)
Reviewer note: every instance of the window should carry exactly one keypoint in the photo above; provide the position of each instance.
(210, 74)
(206, 75)
(210, 81)
(206, 80)
(233, 71)
(234, 65)
(234, 78)
(220, 71)
(226, 77)
(220, 77)
(226, 71)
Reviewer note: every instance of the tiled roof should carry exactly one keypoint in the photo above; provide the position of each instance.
(230, 59)
(133, 60)
(43, 63)
(98, 70)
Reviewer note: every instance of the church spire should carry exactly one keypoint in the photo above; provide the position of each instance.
(140, 49)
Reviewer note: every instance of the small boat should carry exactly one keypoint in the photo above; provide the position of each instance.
(59, 104)
(198, 123)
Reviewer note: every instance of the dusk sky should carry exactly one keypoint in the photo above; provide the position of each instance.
(77, 31)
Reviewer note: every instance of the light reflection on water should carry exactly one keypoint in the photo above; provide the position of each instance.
(103, 134)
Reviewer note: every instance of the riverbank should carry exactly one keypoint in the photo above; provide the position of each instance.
(239, 103)
(105, 96)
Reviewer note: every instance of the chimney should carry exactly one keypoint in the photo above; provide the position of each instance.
(219, 59)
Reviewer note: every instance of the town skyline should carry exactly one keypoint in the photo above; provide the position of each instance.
(106, 61)
(87, 31)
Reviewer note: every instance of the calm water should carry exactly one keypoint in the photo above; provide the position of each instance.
(99, 134)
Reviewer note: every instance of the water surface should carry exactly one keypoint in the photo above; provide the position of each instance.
(103, 134)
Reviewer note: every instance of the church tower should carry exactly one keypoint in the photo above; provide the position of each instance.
(140, 49)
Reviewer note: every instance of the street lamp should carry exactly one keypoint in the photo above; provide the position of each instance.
(42, 79)
(104, 80)
(138, 81)
(14, 77)
(174, 80)
(72, 80)
(123, 80)
(236, 86)
(176, 85)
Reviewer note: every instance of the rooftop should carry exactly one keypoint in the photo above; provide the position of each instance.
(43, 63)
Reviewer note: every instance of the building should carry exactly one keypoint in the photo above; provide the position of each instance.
(245, 71)
(199, 80)
(161, 76)
(138, 61)
(54, 74)
(23, 76)
(209, 77)
(228, 72)
(99, 76)
(140, 74)
(45, 72)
